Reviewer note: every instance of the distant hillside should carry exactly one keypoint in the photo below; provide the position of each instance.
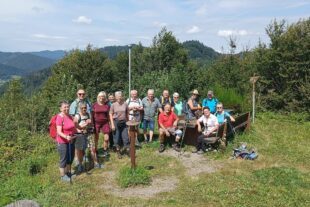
(198, 51)
(54, 55)
(6, 72)
(27, 62)
(112, 51)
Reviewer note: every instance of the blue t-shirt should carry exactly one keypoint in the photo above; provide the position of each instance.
(222, 116)
(211, 103)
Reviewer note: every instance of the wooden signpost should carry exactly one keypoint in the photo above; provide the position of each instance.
(253, 81)
(133, 130)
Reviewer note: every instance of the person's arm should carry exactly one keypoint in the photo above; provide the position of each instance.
(72, 108)
(60, 131)
(159, 106)
(198, 124)
(160, 122)
(191, 106)
(232, 119)
(111, 117)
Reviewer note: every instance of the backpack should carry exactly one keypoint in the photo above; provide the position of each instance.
(53, 128)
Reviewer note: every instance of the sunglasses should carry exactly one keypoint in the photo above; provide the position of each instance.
(83, 107)
(219, 107)
(80, 94)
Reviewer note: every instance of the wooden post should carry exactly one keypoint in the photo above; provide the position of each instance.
(253, 81)
(132, 138)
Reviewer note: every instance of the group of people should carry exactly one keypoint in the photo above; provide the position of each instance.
(79, 124)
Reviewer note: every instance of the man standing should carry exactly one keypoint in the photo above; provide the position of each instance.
(210, 102)
(81, 99)
(168, 126)
(165, 98)
(150, 106)
(211, 125)
(135, 108)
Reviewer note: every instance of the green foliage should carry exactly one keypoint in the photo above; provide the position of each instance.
(284, 67)
(131, 177)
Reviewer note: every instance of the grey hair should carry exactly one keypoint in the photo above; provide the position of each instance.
(63, 102)
(150, 90)
(118, 93)
(176, 94)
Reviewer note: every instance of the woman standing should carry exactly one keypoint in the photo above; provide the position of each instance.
(83, 119)
(66, 129)
(118, 118)
(100, 112)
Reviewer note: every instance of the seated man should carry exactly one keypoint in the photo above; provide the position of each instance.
(211, 125)
(221, 115)
(168, 125)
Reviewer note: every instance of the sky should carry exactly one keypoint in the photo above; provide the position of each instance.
(35, 25)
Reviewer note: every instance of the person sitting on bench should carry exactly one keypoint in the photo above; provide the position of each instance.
(168, 125)
(221, 115)
(210, 127)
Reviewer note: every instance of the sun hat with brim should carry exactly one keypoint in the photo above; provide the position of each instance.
(195, 91)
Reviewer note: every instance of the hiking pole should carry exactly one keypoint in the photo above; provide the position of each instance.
(70, 157)
(185, 126)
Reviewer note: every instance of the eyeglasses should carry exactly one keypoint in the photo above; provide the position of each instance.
(80, 94)
(219, 107)
(175, 97)
(83, 107)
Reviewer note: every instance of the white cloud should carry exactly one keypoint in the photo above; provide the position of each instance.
(193, 29)
(227, 33)
(160, 24)
(111, 40)
(37, 9)
(83, 20)
(202, 10)
(44, 36)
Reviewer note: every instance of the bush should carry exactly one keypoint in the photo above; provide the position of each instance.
(130, 177)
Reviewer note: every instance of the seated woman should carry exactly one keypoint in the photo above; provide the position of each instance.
(66, 129)
(193, 105)
(210, 126)
(221, 115)
(168, 121)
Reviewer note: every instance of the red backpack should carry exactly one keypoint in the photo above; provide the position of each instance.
(52, 127)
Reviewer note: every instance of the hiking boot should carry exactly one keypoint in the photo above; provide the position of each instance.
(200, 152)
(106, 153)
(71, 175)
(65, 178)
(98, 166)
(177, 147)
(80, 169)
(119, 155)
(161, 148)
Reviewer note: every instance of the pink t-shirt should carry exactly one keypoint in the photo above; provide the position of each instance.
(68, 127)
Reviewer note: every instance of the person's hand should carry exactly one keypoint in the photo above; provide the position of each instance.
(199, 129)
(167, 133)
(88, 121)
(69, 138)
(113, 127)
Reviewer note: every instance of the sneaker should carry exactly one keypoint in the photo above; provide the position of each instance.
(65, 178)
(71, 175)
(161, 148)
(200, 152)
(98, 166)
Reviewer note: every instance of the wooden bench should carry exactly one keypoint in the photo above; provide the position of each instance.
(191, 134)
(242, 123)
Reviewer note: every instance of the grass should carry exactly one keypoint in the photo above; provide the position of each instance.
(279, 177)
(131, 177)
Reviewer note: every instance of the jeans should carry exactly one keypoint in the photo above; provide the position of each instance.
(121, 132)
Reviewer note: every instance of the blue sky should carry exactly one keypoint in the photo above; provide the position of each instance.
(34, 25)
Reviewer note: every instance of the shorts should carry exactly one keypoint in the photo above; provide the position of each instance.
(105, 127)
(148, 123)
(66, 154)
(174, 132)
(80, 141)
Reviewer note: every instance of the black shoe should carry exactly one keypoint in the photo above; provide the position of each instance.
(177, 147)
(161, 148)
(106, 153)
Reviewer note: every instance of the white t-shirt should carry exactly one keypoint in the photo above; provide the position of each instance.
(133, 113)
(209, 122)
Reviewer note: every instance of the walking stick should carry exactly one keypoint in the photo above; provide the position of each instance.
(185, 126)
(70, 158)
